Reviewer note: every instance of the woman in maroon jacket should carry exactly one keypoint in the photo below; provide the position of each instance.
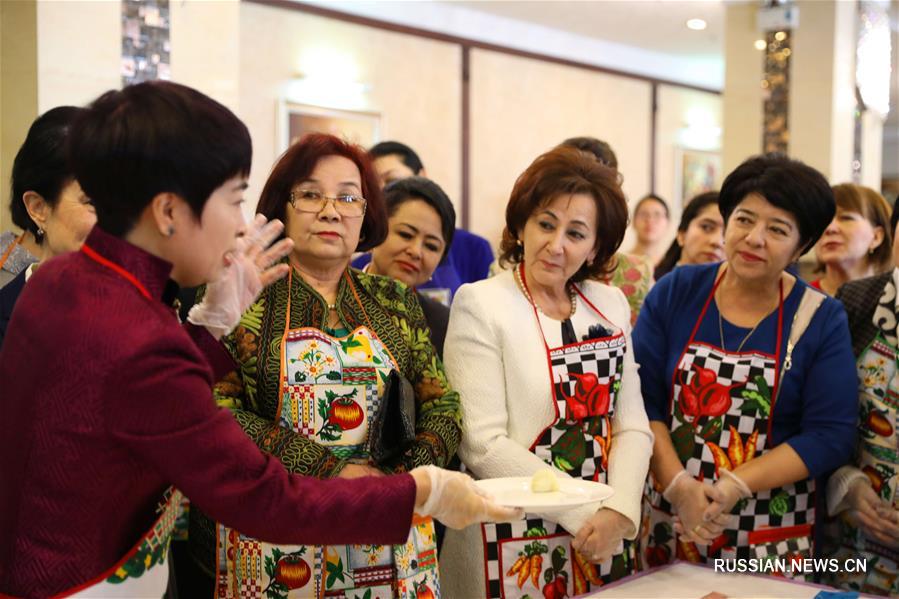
(106, 404)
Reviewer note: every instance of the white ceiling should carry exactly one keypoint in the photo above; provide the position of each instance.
(656, 25)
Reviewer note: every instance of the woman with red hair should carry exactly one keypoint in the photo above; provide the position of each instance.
(318, 353)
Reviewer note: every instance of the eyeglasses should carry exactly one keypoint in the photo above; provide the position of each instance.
(310, 200)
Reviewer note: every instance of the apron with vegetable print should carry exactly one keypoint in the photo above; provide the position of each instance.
(330, 392)
(878, 458)
(722, 405)
(144, 571)
(533, 556)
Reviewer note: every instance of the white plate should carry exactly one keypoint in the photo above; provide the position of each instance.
(516, 491)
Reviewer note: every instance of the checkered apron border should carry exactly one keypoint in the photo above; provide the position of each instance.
(601, 360)
(790, 507)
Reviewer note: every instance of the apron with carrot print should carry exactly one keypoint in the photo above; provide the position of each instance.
(533, 556)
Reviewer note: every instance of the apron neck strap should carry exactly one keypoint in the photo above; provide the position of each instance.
(349, 281)
(705, 306)
(15, 242)
(780, 328)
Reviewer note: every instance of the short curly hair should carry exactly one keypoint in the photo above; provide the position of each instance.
(564, 171)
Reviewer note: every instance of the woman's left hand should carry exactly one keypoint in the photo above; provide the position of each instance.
(729, 489)
(599, 537)
(867, 511)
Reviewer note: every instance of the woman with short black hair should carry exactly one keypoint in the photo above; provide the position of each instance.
(47, 201)
(748, 379)
(40, 167)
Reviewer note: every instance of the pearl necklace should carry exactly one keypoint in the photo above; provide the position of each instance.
(571, 292)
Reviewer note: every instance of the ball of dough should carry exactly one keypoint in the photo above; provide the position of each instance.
(544, 481)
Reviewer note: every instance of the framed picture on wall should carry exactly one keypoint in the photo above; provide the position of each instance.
(696, 171)
(296, 120)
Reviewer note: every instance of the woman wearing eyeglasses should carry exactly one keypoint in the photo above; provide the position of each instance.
(315, 353)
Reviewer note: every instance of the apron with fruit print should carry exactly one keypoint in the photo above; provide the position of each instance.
(144, 570)
(533, 556)
(330, 392)
(722, 405)
(878, 458)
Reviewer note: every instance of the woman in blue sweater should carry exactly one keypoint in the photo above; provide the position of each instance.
(751, 398)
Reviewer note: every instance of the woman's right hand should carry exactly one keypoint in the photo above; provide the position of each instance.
(454, 499)
(690, 499)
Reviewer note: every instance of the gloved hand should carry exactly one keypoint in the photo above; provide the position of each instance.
(456, 501)
(690, 499)
(729, 489)
(248, 271)
(601, 535)
(867, 511)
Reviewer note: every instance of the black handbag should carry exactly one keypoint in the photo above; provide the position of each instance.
(393, 427)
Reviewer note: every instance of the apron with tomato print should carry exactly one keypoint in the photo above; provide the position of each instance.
(722, 404)
(878, 458)
(330, 391)
(533, 556)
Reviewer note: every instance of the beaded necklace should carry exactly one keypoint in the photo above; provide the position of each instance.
(524, 289)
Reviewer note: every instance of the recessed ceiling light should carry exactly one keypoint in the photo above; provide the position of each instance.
(696, 24)
(760, 44)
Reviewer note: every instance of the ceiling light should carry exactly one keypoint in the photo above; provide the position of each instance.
(696, 24)
(760, 44)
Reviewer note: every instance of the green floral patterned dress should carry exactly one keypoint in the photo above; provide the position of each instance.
(252, 391)
(633, 276)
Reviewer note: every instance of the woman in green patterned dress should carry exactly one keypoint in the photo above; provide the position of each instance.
(315, 353)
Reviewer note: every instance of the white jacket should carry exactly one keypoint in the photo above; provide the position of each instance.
(495, 358)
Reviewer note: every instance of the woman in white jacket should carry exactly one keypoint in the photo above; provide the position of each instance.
(542, 358)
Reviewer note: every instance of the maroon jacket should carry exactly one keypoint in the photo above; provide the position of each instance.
(105, 400)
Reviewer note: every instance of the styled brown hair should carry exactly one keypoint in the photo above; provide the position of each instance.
(296, 165)
(566, 171)
(873, 206)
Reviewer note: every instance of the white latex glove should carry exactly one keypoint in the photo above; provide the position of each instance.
(248, 271)
(729, 489)
(838, 486)
(457, 502)
(690, 498)
(867, 511)
(600, 536)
